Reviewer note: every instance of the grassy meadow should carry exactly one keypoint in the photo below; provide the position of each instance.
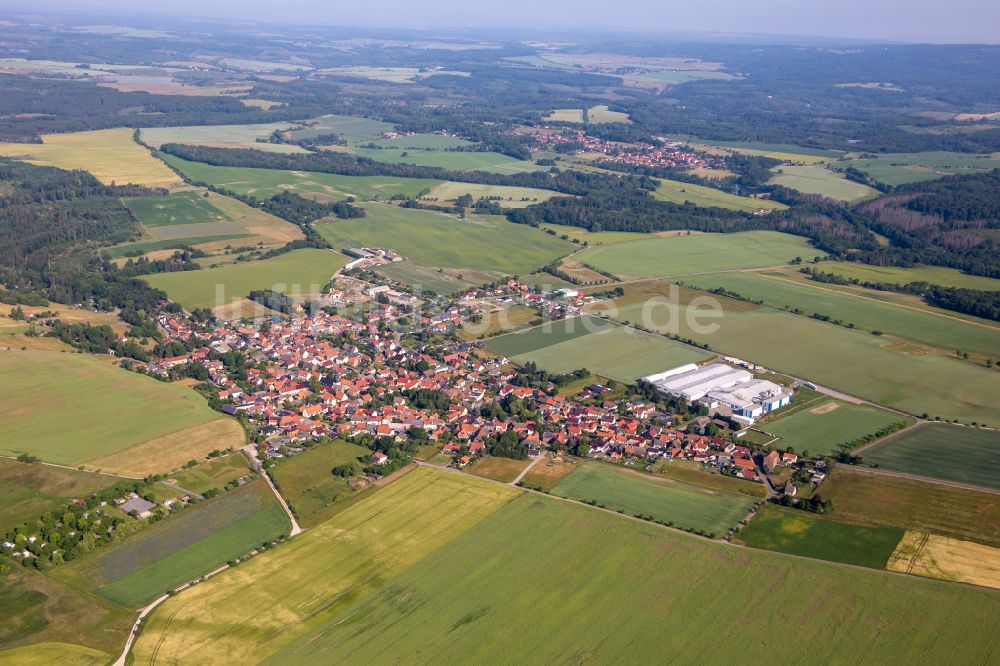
(811, 179)
(802, 533)
(901, 168)
(921, 326)
(306, 480)
(214, 473)
(33, 489)
(183, 546)
(609, 350)
(265, 183)
(48, 622)
(222, 136)
(660, 256)
(952, 453)
(878, 499)
(635, 493)
(822, 426)
(264, 605)
(71, 409)
(177, 208)
(505, 195)
(478, 242)
(351, 128)
(299, 273)
(679, 192)
(110, 155)
(939, 275)
(479, 599)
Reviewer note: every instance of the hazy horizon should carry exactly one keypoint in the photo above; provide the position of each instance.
(963, 21)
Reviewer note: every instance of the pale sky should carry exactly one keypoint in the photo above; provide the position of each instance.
(895, 20)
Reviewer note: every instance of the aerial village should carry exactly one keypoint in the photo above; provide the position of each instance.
(389, 371)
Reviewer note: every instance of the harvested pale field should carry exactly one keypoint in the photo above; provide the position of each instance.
(110, 155)
(171, 451)
(944, 558)
(549, 471)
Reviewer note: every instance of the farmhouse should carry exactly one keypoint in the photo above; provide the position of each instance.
(730, 391)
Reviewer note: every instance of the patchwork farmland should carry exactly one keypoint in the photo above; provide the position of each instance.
(265, 183)
(180, 547)
(862, 310)
(299, 274)
(607, 349)
(263, 606)
(437, 611)
(924, 383)
(479, 242)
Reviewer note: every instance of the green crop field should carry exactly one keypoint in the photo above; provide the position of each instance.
(684, 505)
(299, 273)
(922, 326)
(878, 499)
(70, 408)
(547, 335)
(422, 142)
(173, 209)
(440, 281)
(617, 352)
(859, 363)
(953, 453)
(185, 545)
(263, 605)
(29, 490)
(450, 159)
(56, 623)
(518, 588)
(819, 180)
(222, 136)
(801, 533)
(701, 195)
(945, 277)
(660, 256)
(488, 243)
(504, 195)
(265, 183)
(351, 128)
(823, 425)
(901, 168)
(215, 473)
(306, 480)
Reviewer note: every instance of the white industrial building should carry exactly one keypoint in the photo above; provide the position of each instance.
(721, 386)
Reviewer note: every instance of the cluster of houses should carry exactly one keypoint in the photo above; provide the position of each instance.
(321, 374)
(664, 154)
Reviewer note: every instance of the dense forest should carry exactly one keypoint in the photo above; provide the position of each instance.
(52, 222)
